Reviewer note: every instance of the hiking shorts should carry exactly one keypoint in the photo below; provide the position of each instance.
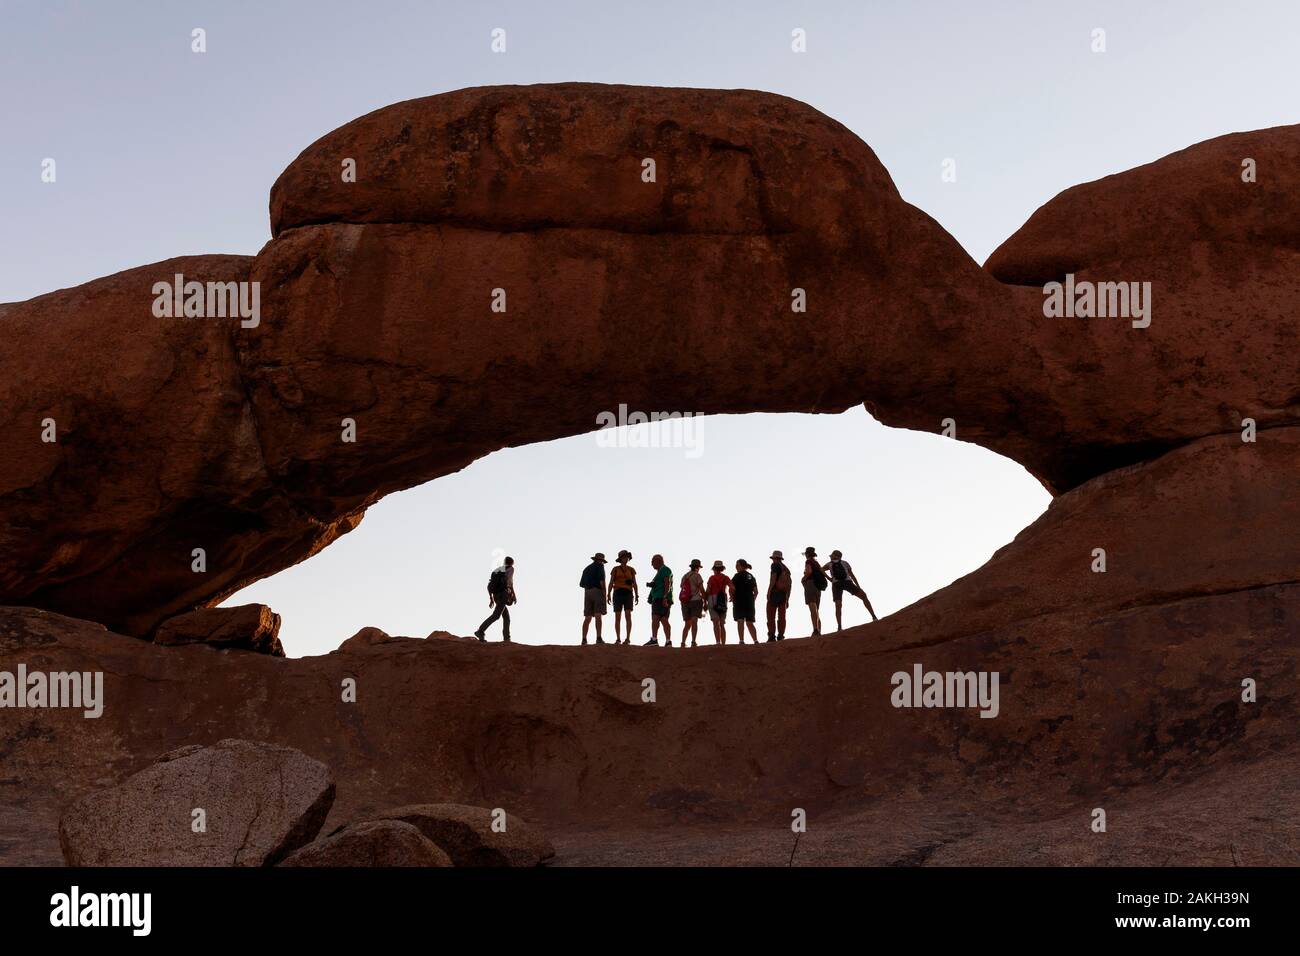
(659, 608)
(777, 598)
(622, 599)
(743, 612)
(839, 588)
(715, 615)
(593, 602)
(693, 610)
(812, 594)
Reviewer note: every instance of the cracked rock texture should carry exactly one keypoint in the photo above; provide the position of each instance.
(1162, 687)
(180, 434)
(258, 801)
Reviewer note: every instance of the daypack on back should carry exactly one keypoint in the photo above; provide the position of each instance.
(818, 576)
(684, 594)
(720, 602)
(837, 569)
(783, 579)
(497, 582)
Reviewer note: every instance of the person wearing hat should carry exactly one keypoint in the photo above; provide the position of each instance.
(692, 598)
(843, 579)
(744, 593)
(718, 590)
(593, 594)
(814, 583)
(623, 594)
(778, 597)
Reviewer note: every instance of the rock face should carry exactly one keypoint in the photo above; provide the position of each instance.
(184, 434)
(1121, 689)
(156, 454)
(193, 457)
(258, 801)
(378, 843)
(467, 836)
(250, 627)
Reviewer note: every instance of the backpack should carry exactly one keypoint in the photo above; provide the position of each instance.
(720, 602)
(684, 594)
(837, 569)
(783, 579)
(497, 582)
(818, 576)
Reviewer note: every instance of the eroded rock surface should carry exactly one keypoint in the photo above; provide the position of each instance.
(250, 627)
(375, 843)
(184, 434)
(236, 803)
(468, 836)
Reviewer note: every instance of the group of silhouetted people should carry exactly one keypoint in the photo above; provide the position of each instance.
(620, 590)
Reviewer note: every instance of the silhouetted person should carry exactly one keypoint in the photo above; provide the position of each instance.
(718, 590)
(593, 595)
(623, 593)
(744, 596)
(778, 597)
(843, 579)
(814, 583)
(501, 594)
(661, 602)
(692, 598)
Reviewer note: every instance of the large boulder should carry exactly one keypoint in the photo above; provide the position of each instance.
(236, 803)
(472, 837)
(377, 843)
(250, 627)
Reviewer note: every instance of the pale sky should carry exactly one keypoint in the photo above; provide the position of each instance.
(163, 152)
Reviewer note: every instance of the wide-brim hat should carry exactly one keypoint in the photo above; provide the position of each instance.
(837, 554)
(719, 566)
(625, 554)
(599, 556)
(810, 552)
(696, 563)
(778, 556)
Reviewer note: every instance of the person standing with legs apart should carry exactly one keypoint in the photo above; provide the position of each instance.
(843, 579)
(814, 583)
(623, 594)
(593, 594)
(778, 597)
(718, 590)
(501, 594)
(744, 596)
(692, 598)
(661, 602)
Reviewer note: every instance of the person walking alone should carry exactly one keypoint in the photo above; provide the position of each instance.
(501, 594)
